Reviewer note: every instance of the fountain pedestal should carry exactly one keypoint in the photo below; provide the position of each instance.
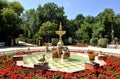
(64, 56)
(91, 66)
(41, 66)
(18, 57)
(58, 52)
(60, 32)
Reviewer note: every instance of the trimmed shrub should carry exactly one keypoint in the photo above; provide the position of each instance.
(66, 42)
(54, 41)
(102, 42)
(71, 40)
(93, 41)
(85, 41)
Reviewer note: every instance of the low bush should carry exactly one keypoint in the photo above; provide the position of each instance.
(102, 42)
(93, 41)
(54, 41)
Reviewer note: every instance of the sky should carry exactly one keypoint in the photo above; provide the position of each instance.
(74, 7)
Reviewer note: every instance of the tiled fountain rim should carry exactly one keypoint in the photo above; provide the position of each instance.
(115, 52)
(20, 63)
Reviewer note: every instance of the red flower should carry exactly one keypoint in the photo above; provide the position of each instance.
(27, 77)
(99, 70)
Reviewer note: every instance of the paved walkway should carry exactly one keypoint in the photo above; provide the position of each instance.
(26, 44)
(34, 47)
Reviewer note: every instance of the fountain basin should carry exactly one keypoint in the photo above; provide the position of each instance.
(73, 64)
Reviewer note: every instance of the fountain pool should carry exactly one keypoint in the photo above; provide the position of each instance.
(73, 64)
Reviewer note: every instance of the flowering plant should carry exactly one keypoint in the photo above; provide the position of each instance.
(9, 70)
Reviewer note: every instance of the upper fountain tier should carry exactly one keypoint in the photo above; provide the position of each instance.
(60, 31)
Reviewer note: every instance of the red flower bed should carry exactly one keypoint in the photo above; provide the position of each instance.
(9, 70)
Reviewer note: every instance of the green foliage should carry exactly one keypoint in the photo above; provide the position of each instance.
(44, 21)
(89, 19)
(97, 29)
(9, 56)
(47, 30)
(51, 12)
(102, 42)
(29, 23)
(85, 41)
(105, 21)
(9, 15)
(116, 75)
(46, 16)
(35, 77)
(54, 41)
(71, 40)
(18, 8)
(70, 28)
(78, 34)
(3, 4)
(10, 20)
(93, 41)
(37, 22)
(79, 19)
(66, 42)
(31, 41)
(117, 25)
(86, 31)
(85, 37)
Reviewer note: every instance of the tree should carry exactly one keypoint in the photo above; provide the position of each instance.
(47, 30)
(10, 20)
(18, 8)
(105, 18)
(51, 12)
(97, 30)
(3, 4)
(70, 28)
(78, 35)
(79, 20)
(117, 26)
(89, 19)
(86, 30)
(29, 23)
(34, 19)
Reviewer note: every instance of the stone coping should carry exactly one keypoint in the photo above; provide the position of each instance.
(110, 51)
(20, 55)
(68, 71)
(21, 63)
(101, 62)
